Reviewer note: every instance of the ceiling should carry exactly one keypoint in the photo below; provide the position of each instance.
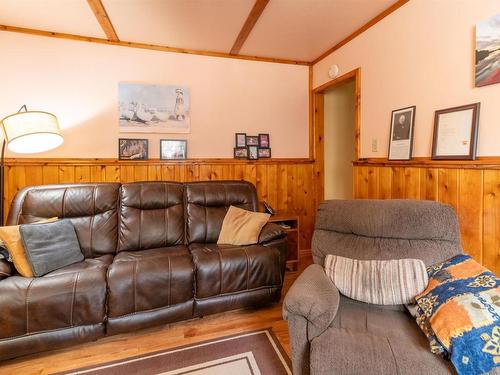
(299, 30)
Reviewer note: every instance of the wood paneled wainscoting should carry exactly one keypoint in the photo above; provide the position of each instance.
(471, 187)
(286, 184)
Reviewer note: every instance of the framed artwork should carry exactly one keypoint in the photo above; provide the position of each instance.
(153, 108)
(252, 140)
(455, 133)
(488, 51)
(241, 153)
(264, 152)
(253, 152)
(241, 140)
(264, 141)
(401, 135)
(132, 149)
(173, 149)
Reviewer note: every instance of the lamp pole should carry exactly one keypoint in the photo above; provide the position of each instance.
(2, 171)
(2, 174)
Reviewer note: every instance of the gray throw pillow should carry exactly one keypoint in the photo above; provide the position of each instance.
(50, 246)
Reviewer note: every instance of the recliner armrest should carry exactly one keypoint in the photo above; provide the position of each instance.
(271, 232)
(314, 297)
(310, 307)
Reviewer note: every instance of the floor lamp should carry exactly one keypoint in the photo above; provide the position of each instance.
(27, 132)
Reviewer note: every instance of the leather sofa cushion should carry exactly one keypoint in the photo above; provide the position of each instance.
(71, 296)
(92, 209)
(151, 215)
(149, 279)
(207, 203)
(225, 269)
(6, 269)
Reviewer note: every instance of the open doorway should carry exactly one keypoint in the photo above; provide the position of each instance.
(339, 134)
(336, 134)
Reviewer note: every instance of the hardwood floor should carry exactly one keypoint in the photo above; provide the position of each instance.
(158, 338)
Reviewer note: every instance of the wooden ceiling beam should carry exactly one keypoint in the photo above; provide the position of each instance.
(103, 19)
(398, 4)
(249, 24)
(154, 47)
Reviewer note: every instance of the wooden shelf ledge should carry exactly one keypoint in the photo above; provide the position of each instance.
(485, 162)
(111, 161)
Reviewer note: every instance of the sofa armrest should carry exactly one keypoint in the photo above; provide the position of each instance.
(271, 232)
(310, 307)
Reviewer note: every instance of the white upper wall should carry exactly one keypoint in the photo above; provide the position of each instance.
(78, 82)
(423, 55)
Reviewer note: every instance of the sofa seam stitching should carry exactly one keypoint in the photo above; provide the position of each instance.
(77, 275)
(27, 304)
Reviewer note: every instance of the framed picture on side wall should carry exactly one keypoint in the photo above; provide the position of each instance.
(253, 152)
(264, 152)
(240, 153)
(252, 140)
(264, 141)
(132, 149)
(455, 133)
(173, 149)
(401, 136)
(241, 140)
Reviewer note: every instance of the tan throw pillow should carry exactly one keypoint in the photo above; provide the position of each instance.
(241, 227)
(381, 282)
(11, 237)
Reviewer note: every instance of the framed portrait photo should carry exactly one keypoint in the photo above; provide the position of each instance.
(401, 135)
(455, 133)
(241, 153)
(132, 149)
(264, 152)
(264, 141)
(252, 140)
(173, 149)
(240, 140)
(253, 152)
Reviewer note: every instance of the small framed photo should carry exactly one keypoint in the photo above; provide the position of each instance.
(241, 140)
(253, 152)
(173, 149)
(252, 140)
(264, 141)
(264, 152)
(455, 133)
(401, 136)
(241, 153)
(132, 149)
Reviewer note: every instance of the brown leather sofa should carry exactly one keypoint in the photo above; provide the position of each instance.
(150, 258)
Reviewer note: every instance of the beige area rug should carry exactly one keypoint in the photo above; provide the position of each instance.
(251, 353)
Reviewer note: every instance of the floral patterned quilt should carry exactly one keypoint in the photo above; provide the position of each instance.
(460, 314)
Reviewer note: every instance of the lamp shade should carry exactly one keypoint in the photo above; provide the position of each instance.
(32, 131)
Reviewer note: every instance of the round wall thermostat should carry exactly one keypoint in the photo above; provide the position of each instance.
(334, 71)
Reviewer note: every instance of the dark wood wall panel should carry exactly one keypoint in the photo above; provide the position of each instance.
(286, 184)
(472, 189)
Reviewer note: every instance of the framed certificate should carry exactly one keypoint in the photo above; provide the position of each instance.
(401, 137)
(455, 133)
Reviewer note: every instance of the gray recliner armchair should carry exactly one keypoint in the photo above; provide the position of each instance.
(332, 334)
